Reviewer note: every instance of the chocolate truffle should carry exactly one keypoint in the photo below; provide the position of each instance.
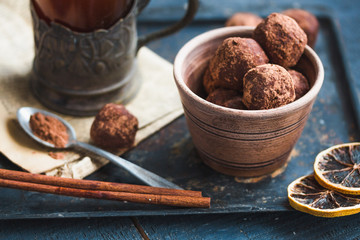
(268, 86)
(281, 38)
(220, 96)
(307, 21)
(233, 58)
(114, 127)
(226, 98)
(208, 82)
(236, 103)
(301, 84)
(243, 19)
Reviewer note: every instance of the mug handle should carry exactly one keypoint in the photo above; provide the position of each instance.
(188, 17)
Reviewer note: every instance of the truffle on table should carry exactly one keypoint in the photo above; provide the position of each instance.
(307, 21)
(114, 127)
(232, 59)
(301, 83)
(268, 86)
(226, 98)
(243, 19)
(282, 39)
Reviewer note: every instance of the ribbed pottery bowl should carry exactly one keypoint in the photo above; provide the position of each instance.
(244, 143)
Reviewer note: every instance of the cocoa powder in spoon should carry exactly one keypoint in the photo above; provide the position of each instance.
(49, 129)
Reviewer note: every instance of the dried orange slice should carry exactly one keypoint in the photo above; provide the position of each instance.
(307, 195)
(338, 168)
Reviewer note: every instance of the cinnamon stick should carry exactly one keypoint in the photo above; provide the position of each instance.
(179, 201)
(93, 185)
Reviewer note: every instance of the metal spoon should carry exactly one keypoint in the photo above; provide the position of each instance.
(149, 178)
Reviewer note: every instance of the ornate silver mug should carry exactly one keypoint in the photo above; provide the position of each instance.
(77, 73)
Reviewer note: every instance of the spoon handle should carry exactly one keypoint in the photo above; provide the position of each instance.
(142, 174)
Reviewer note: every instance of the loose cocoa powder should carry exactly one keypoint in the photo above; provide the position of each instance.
(49, 129)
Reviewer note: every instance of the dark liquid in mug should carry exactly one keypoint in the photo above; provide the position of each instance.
(82, 15)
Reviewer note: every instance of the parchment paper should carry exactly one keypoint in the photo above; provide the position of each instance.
(156, 104)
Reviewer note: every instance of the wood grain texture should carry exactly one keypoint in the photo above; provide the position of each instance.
(279, 225)
(292, 225)
(107, 229)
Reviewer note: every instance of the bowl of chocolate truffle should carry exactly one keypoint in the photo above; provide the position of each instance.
(247, 93)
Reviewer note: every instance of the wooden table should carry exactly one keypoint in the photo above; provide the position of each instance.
(242, 225)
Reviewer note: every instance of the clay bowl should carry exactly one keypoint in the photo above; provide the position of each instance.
(244, 143)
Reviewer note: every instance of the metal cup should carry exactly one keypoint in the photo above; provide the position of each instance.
(77, 73)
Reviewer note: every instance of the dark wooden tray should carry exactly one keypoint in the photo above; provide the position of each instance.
(171, 153)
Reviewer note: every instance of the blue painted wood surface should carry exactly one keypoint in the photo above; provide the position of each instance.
(279, 225)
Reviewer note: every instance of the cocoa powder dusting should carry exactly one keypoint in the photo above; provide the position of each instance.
(49, 129)
(233, 58)
(281, 38)
(301, 83)
(114, 127)
(307, 21)
(268, 86)
(208, 82)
